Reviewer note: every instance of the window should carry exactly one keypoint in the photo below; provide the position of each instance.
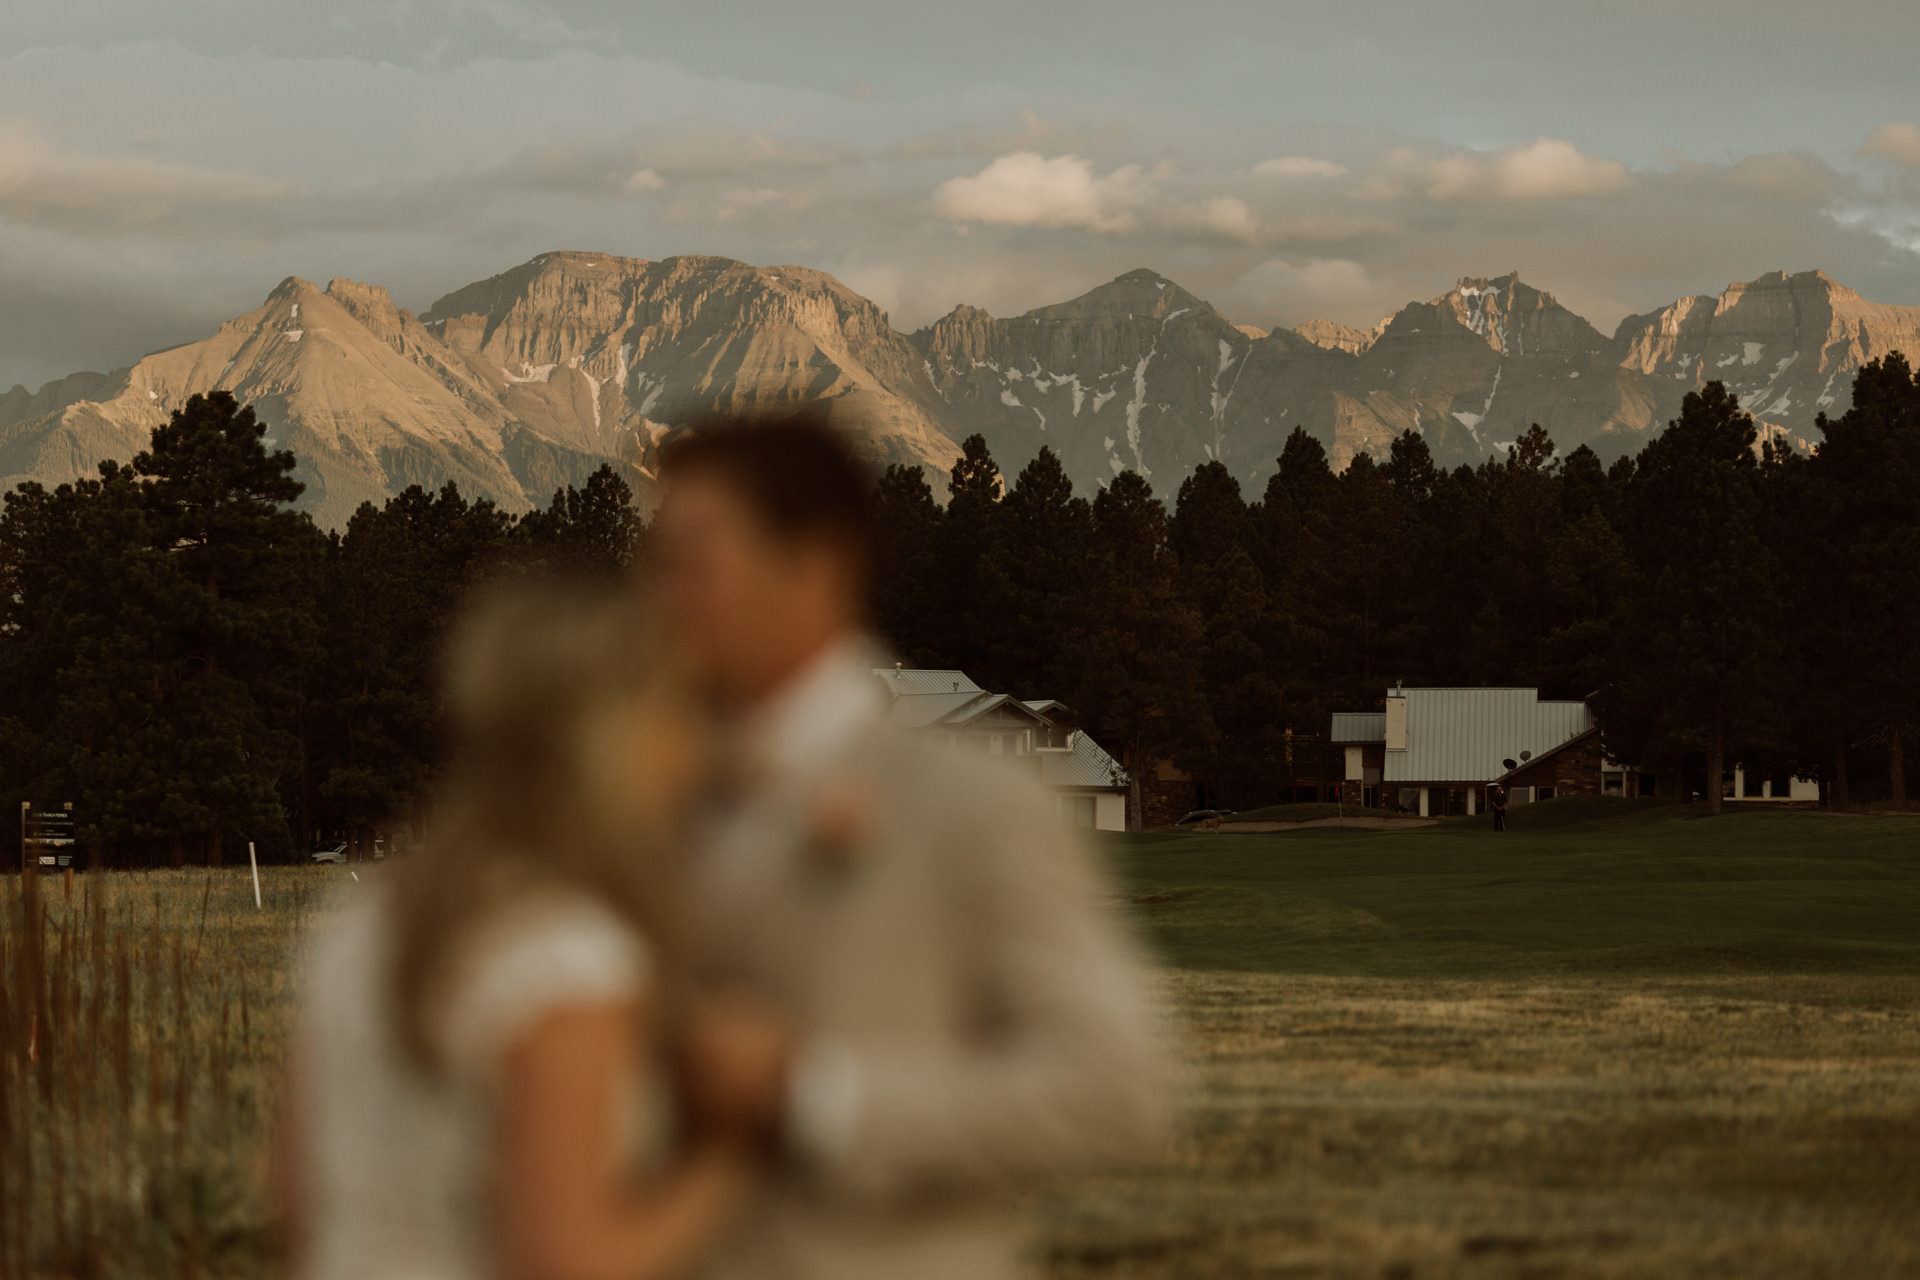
(1543, 793)
(1613, 783)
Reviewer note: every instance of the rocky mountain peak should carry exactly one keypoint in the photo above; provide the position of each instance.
(1137, 293)
(1335, 336)
(370, 304)
(1517, 319)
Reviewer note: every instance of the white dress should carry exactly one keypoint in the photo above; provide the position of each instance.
(396, 1160)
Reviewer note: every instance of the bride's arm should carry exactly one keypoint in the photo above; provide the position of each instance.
(564, 1207)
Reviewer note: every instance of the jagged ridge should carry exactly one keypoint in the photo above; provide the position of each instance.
(516, 384)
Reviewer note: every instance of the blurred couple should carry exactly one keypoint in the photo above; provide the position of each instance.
(707, 969)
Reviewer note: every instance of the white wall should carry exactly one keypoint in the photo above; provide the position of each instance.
(1110, 812)
(1751, 787)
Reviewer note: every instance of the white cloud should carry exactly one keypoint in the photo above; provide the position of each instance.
(1027, 189)
(1899, 143)
(643, 181)
(1224, 217)
(1299, 167)
(1544, 169)
(1548, 168)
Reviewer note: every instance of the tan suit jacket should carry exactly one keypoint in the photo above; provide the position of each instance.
(956, 941)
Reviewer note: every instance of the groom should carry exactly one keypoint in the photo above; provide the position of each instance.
(956, 1016)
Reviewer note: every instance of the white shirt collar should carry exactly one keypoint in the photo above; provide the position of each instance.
(819, 712)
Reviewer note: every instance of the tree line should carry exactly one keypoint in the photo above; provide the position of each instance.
(1718, 599)
(194, 664)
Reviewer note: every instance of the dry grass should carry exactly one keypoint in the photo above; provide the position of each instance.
(1390, 1127)
(141, 1025)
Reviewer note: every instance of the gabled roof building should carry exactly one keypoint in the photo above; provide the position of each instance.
(1437, 750)
(955, 712)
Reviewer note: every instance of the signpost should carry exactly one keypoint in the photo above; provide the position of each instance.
(46, 836)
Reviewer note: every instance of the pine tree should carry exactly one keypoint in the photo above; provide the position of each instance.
(1035, 568)
(1139, 689)
(906, 571)
(1695, 666)
(1858, 547)
(593, 529)
(968, 612)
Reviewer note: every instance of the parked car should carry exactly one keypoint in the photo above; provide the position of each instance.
(1201, 815)
(332, 853)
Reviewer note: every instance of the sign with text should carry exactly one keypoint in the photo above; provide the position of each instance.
(46, 835)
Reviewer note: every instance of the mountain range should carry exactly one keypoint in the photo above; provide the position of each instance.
(518, 384)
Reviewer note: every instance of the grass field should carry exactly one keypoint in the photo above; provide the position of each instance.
(1617, 1040)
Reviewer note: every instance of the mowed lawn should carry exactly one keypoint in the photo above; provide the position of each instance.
(1620, 1039)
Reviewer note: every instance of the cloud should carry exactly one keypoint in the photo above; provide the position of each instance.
(1547, 169)
(1544, 169)
(642, 181)
(1227, 217)
(166, 209)
(1899, 143)
(1027, 189)
(41, 184)
(1322, 281)
(1299, 167)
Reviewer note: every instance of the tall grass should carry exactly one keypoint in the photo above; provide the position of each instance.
(142, 1019)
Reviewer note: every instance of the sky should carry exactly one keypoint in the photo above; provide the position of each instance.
(165, 163)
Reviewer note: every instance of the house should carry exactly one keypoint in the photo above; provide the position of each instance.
(1436, 751)
(954, 712)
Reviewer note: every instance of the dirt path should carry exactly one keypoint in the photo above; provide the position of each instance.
(1355, 823)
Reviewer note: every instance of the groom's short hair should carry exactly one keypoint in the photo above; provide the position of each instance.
(797, 474)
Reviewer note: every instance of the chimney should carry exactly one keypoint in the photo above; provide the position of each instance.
(1397, 719)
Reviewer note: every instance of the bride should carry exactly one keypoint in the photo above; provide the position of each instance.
(475, 1082)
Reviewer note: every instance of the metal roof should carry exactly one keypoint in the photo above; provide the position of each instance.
(1359, 726)
(921, 680)
(1463, 735)
(1086, 765)
(925, 710)
(918, 710)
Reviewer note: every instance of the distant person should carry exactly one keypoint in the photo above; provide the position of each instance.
(1497, 799)
(474, 1055)
(965, 1018)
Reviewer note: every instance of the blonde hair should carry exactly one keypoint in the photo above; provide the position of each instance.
(554, 694)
